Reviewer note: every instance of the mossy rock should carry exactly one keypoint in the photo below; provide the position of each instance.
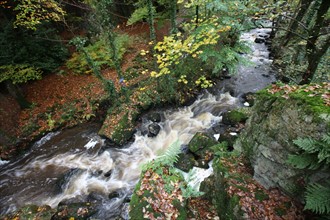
(33, 212)
(282, 114)
(200, 143)
(185, 162)
(77, 211)
(120, 125)
(233, 117)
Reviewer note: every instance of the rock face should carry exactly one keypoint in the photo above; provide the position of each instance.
(268, 139)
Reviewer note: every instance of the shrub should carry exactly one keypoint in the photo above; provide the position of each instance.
(100, 53)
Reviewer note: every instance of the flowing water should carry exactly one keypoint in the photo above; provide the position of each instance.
(78, 165)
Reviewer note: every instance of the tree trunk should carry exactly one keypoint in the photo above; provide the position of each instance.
(15, 92)
(313, 62)
(313, 53)
(298, 18)
(197, 15)
(151, 21)
(173, 17)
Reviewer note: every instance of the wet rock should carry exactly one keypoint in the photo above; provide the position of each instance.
(114, 195)
(95, 198)
(249, 98)
(201, 142)
(184, 148)
(208, 187)
(185, 162)
(153, 130)
(229, 137)
(264, 36)
(62, 182)
(108, 174)
(268, 43)
(121, 131)
(201, 163)
(259, 40)
(154, 117)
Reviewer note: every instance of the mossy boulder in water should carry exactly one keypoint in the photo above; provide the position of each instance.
(77, 211)
(120, 125)
(233, 117)
(201, 142)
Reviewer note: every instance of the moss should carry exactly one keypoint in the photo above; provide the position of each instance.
(201, 141)
(123, 131)
(226, 205)
(310, 96)
(120, 127)
(32, 212)
(234, 117)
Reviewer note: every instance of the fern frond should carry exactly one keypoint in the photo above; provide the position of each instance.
(326, 139)
(318, 198)
(138, 15)
(171, 155)
(324, 154)
(306, 144)
(303, 161)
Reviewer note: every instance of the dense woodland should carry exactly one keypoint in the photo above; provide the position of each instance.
(64, 63)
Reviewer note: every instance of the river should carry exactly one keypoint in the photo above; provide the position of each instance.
(78, 165)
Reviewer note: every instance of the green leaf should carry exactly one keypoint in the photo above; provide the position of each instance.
(303, 161)
(318, 198)
(138, 15)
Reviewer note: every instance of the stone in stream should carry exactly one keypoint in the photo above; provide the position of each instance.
(249, 98)
(154, 117)
(185, 162)
(62, 181)
(153, 130)
(201, 142)
(233, 117)
(259, 40)
(108, 174)
(113, 195)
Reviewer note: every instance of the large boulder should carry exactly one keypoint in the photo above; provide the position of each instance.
(119, 127)
(281, 115)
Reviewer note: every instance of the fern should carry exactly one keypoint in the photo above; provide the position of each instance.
(318, 198)
(316, 155)
(306, 144)
(138, 15)
(303, 161)
(171, 155)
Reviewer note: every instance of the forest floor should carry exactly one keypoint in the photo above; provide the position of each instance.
(60, 96)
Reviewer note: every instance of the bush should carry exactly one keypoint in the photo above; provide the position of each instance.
(100, 53)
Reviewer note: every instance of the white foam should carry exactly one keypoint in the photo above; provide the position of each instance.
(3, 162)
